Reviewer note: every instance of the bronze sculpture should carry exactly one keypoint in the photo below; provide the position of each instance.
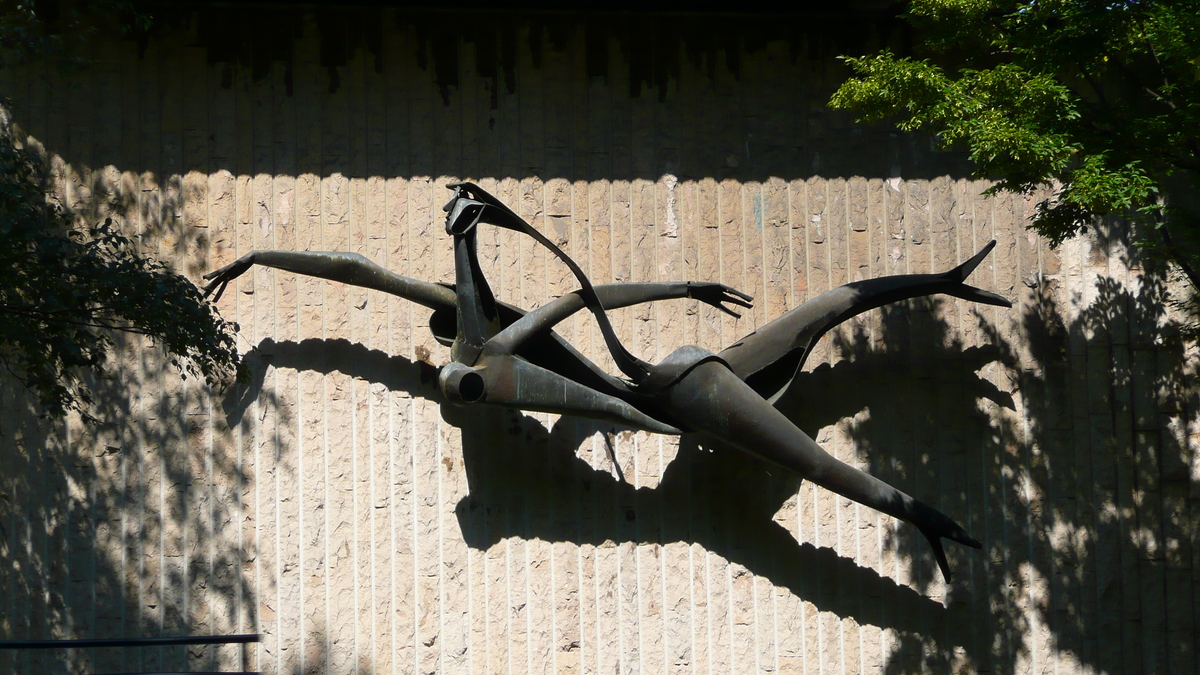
(506, 357)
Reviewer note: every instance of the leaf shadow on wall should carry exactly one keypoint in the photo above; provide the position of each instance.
(128, 527)
(1080, 495)
(125, 529)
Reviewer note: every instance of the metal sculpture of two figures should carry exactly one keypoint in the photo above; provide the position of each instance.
(505, 356)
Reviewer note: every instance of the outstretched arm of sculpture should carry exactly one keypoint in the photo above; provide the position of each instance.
(358, 270)
(613, 296)
(348, 268)
(548, 350)
(769, 358)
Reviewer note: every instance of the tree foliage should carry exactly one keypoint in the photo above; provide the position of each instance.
(1100, 98)
(67, 288)
(56, 30)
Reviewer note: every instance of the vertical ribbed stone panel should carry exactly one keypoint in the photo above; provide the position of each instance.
(335, 505)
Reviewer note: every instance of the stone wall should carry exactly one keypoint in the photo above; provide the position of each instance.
(335, 505)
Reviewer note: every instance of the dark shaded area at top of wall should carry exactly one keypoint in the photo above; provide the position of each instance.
(656, 45)
(385, 92)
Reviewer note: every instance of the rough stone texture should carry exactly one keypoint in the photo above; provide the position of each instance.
(336, 507)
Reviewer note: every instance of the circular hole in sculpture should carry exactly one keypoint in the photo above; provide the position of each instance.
(471, 387)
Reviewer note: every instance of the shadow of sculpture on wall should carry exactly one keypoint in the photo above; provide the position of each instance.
(526, 481)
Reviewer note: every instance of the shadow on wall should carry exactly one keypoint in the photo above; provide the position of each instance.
(1080, 494)
(1055, 452)
(289, 90)
(131, 527)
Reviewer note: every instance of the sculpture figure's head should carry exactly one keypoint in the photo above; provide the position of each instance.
(471, 205)
(462, 212)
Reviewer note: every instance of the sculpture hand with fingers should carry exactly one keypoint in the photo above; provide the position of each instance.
(504, 356)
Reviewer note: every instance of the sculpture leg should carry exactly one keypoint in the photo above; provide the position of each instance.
(716, 402)
(511, 382)
(769, 358)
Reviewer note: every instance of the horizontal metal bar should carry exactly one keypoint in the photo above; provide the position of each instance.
(189, 673)
(130, 642)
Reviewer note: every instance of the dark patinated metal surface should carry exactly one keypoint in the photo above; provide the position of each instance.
(503, 356)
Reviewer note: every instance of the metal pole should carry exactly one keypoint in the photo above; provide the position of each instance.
(130, 642)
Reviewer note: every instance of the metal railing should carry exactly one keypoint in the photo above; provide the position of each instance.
(140, 642)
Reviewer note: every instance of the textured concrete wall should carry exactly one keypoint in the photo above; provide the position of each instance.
(337, 507)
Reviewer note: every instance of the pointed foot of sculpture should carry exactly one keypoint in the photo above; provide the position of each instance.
(961, 290)
(936, 526)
